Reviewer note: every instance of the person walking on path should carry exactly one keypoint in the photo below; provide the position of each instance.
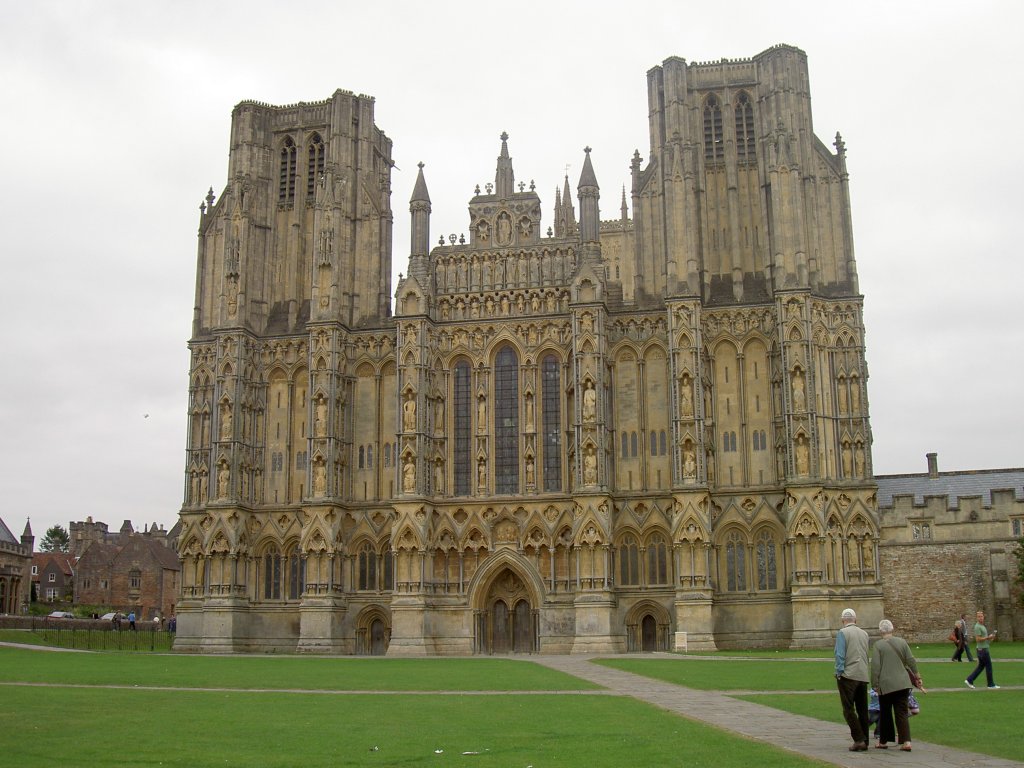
(962, 645)
(852, 673)
(981, 641)
(892, 667)
(131, 620)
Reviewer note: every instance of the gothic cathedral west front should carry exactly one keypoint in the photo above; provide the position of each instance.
(645, 433)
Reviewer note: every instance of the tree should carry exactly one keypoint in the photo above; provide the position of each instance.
(1019, 552)
(55, 540)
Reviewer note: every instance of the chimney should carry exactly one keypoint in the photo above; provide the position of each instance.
(933, 464)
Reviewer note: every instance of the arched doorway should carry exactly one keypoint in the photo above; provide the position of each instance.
(508, 622)
(648, 634)
(373, 632)
(378, 638)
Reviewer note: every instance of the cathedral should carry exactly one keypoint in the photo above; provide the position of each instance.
(565, 435)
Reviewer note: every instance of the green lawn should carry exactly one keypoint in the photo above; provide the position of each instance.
(980, 721)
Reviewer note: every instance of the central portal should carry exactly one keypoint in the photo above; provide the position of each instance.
(508, 623)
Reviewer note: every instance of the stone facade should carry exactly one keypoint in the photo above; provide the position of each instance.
(15, 570)
(948, 547)
(597, 435)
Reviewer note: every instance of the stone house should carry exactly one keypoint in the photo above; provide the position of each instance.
(136, 573)
(948, 543)
(15, 569)
(53, 574)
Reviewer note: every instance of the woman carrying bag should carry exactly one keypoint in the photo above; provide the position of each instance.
(893, 672)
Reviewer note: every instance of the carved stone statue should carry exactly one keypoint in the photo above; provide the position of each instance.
(802, 457)
(481, 416)
(529, 472)
(223, 480)
(686, 398)
(319, 478)
(409, 475)
(409, 413)
(589, 403)
(590, 467)
(225, 421)
(320, 423)
(799, 396)
(847, 460)
(689, 465)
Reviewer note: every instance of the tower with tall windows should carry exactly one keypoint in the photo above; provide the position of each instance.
(631, 434)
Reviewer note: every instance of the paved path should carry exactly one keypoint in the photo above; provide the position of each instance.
(812, 738)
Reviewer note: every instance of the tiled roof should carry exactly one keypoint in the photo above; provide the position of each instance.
(6, 535)
(955, 485)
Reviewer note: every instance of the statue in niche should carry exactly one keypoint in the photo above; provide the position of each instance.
(535, 303)
(504, 229)
(320, 418)
(589, 403)
(481, 474)
(590, 467)
(802, 456)
(689, 465)
(525, 227)
(686, 397)
(439, 415)
(504, 305)
(319, 478)
(855, 395)
(409, 413)
(483, 232)
(842, 396)
(225, 421)
(529, 409)
(232, 296)
(223, 480)
(438, 477)
(799, 396)
(529, 472)
(481, 416)
(489, 304)
(195, 488)
(859, 459)
(847, 460)
(409, 475)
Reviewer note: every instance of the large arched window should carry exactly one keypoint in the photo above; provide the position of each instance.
(657, 560)
(552, 422)
(272, 574)
(506, 422)
(462, 420)
(629, 561)
(766, 565)
(296, 574)
(744, 128)
(367, 563)
(315, 165)
(286, 179)
(714, 144)
(735, 562)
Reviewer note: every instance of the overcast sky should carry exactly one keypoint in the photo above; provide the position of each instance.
(116, 121)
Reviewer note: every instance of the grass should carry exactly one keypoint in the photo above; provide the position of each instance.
(1009, 650)
(980, 721)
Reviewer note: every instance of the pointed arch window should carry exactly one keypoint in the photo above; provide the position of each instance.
(744, 113)
(461, 416)
(272, 576)
(315, 165)
(296, 574)
(767, 572)
(657, 560)
(551, 416)
(506, 421)
(629, 562)
(286, 180)
(714, 143)
(367, 567)
(735, 562)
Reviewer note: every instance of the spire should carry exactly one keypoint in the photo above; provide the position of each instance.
(565, 213)
(624, 210)
(27, 539)
(419, 208)
(504, 178)
(590, 194)
(419, 192)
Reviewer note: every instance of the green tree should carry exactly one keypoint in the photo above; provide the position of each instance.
(55, 540)
(1020, 568)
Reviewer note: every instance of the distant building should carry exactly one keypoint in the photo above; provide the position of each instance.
(53, 573)
(948, 543)
(127, 570)
(15, 569)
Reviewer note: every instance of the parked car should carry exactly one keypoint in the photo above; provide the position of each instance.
(114, 616)
(61, 615)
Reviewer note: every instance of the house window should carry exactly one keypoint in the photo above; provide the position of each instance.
(51, 594)
(134, 579)
(52, 578)
(506, 422)
(461, 448)
(35, 570)
(1017, 526)
(103, 583)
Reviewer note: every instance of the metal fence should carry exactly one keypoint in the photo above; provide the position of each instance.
(95, 635)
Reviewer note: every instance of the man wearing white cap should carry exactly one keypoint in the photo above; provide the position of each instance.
(852, 675)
